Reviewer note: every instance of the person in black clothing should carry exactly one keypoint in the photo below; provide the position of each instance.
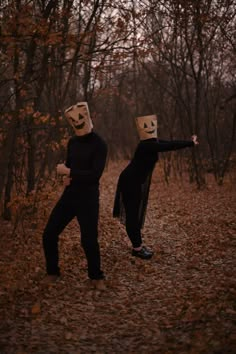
(133, 186)
(85, 162)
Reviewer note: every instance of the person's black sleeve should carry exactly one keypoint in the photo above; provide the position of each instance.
(97, 165)
(164, 145)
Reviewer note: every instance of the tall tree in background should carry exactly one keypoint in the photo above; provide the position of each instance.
(175, 58)
(48, 49)
(184, 39)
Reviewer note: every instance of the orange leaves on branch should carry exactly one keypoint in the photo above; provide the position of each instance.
(53, 122)
(40, 118)
(44, 118)
(54, 38)
(7, 117)
(54, 146)
(64, 142)
(23, 93)
(29, 110)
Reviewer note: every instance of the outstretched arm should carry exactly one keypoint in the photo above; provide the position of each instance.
(169, 145)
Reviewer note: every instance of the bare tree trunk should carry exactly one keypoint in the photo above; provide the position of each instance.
(31, 164)
(9, 172)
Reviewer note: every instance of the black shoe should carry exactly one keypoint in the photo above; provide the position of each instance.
(144, 253)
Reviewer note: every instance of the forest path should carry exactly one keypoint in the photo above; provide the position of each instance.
(181, 301)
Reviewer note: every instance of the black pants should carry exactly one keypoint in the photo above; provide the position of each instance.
(85, 207)
(132, 201)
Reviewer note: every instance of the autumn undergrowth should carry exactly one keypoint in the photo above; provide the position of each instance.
(181, 301)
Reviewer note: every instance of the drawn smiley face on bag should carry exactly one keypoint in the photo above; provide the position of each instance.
(147, 126)
(79, 118)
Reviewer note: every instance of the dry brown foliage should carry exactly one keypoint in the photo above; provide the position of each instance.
(181, 301)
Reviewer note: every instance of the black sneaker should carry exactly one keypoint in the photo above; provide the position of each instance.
(144, 253)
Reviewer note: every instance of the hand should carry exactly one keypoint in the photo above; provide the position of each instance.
(194, 139)
(66, 181)
(62, 169)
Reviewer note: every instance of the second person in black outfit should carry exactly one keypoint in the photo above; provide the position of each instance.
(134, 181)
(85, 162)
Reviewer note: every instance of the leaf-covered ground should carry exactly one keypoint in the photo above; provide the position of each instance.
(181, 301)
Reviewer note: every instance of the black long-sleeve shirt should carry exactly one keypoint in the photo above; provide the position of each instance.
(145, 157)
(86, 158)
(135, 179)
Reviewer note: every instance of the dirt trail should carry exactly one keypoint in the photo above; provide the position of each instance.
(182, 301)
